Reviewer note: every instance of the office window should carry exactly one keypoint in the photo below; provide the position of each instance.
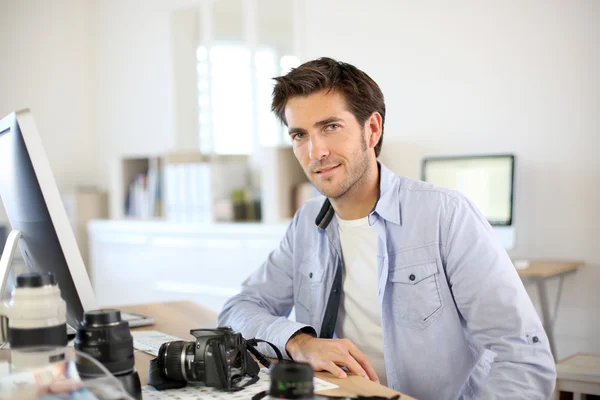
(234, 103)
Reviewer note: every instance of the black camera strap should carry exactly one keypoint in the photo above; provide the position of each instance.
(333, 305)
(252, 343)
(252, 368)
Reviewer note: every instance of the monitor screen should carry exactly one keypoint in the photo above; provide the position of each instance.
(34, 207)
(486, 180)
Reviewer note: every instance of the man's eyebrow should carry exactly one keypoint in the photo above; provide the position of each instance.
(327, 121)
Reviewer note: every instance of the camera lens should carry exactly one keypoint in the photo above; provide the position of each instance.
(105, 337)
(291, 381)
(37, 330)
(175, 360)
(102, 318)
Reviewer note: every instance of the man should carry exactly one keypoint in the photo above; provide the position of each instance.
(407, 278)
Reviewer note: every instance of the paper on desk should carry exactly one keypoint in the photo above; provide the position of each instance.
(202, 392)
(150, 341)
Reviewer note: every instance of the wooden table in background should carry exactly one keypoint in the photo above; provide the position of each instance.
(177, 318)
(578, 374)
(539, 272)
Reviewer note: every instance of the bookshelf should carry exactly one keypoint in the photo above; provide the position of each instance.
(181, 186)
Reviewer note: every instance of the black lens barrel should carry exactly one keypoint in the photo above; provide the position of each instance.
(105, 337)
(170, 356)
(35, 280)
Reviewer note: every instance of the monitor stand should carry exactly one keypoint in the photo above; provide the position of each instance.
(5, 263)
(7, 257)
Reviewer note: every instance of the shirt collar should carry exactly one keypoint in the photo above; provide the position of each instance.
(387, 205)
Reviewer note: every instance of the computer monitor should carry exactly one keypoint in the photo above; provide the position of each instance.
(34, 207)
(3, 235)
(487, 180)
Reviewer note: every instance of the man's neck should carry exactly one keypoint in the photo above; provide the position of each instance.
(361, 198)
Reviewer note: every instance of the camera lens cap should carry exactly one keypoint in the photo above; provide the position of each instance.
(101, 317)
(35, 280)
(292, 381)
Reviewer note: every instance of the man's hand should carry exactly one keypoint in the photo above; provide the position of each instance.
(330, 354)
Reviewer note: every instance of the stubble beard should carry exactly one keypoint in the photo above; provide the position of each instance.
(356, 173)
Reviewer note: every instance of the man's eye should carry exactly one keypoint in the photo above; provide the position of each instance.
(298, 136)
(332, 127)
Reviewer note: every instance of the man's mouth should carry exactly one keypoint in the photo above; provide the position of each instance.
(326, 171)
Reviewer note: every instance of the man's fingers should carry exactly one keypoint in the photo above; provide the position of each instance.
(354, 366)
(333, 368)
(364, 361)
(329, 355)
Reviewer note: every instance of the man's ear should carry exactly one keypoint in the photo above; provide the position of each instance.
(374, 128)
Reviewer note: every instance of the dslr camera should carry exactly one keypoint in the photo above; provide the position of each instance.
(218, 358)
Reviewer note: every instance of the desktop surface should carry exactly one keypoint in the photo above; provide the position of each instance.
(177, 318)
(546, 268)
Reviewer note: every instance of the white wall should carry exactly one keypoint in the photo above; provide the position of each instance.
(133, 76)
(46, 66)
(480, 77)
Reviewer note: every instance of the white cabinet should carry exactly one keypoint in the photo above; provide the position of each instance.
(83, 205)
(148, 261)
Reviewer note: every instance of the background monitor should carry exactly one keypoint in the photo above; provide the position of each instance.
(487, 180)
(34, 207)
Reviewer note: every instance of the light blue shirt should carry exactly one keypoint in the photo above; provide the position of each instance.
(457, 322)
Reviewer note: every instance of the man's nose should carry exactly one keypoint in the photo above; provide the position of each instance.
(318, 148)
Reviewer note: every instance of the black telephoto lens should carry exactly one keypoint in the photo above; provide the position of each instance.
(175, 360)
(105, 337)
(292, 381)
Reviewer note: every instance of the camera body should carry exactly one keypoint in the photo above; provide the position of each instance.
(217, 358)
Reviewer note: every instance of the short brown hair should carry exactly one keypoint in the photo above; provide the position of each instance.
(363, 96)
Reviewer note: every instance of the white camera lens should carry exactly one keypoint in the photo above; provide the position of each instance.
(37, 317)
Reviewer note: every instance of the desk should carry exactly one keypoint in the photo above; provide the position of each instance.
(177, 318)
(579, 374)
(539, 272)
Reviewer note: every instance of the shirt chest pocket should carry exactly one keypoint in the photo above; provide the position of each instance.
(414, 288)
(310, 287)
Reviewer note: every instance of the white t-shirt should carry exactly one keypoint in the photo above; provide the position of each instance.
(359, 315)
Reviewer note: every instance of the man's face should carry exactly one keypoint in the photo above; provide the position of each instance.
(328, 141)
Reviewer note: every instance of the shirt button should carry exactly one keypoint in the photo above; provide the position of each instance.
(335, 290)
(535, 339)
(412, 277)
(310, 275)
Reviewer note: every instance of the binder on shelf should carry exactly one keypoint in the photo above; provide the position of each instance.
(142, 182)
(188, 192)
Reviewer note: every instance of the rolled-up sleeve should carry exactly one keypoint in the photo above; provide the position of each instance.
(262, 308)
(496, 308)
